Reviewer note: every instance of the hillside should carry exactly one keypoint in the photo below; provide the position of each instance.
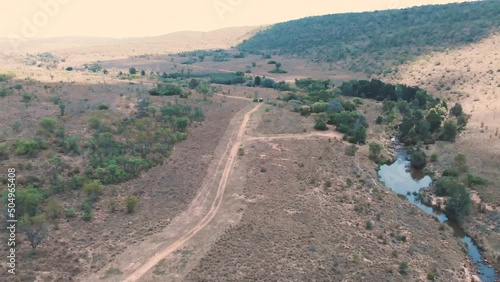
(375, 41)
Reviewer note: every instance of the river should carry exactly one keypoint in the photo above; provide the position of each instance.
(402, 179)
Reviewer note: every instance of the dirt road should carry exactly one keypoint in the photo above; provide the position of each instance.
(211, 213)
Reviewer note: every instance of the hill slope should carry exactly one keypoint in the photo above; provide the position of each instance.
(373, 41)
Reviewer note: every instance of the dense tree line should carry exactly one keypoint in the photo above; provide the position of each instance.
(424, 118)
(392, 35)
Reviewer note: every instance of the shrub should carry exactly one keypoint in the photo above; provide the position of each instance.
(460, 163)
(375, 150)
(430, 276)
(434, 157)
(4, 154)
(48, 124)
(53, 209)
(93, 189)
(320, 123)
(451, 172)
(473, 180)
(241, 151)
(131, 203)
(166, 89)
(132, 71)
(369, 225)
(403, 268)
(70, 213)
(379, 120)
(28, 147)
(102, 107)
(351, 150)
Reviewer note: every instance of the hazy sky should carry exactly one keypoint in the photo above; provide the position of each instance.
(119, 18)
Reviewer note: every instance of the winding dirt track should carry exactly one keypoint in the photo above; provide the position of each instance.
(210, 214)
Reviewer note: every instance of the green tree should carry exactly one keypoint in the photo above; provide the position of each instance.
(132, 71)
(143, 72)
(449, 131)
(456, 110)
(35, 228)
(418, 159)
(257, 80)
(458, 204)
(434, 119)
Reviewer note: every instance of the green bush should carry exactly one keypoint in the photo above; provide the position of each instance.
(375, 149)
(434, 157)
(473, 180)
(451, 172)
(28, 147)
(93, 189)
(102, 107)
(48, 124)
(404, 268)
(166, 89)
(70, 213)
(351, 150)
(4, 154)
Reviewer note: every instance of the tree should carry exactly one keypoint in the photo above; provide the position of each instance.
(193, 83)
(28, 201)
(375, 149)
(35, 228)
(458, 204)
(257, 80)
(132, 71)
(456, 110)
(143, 72)
(418, 159)
(449, 131)
(434, 119)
